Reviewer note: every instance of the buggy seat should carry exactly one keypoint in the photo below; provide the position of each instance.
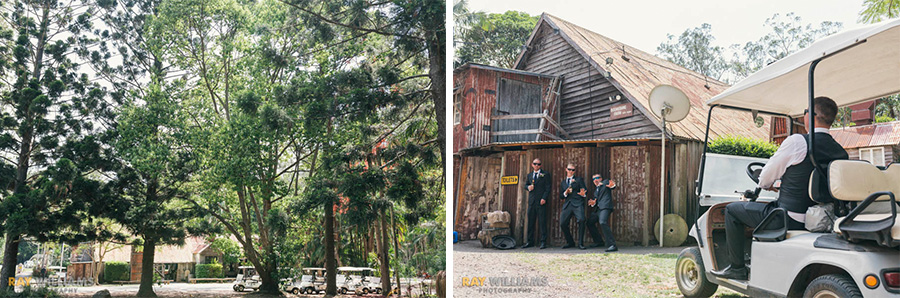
(860, 181)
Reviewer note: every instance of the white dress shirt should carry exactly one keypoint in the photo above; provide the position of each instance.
(791, 152)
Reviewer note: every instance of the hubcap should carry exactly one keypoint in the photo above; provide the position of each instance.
(688, 274)
(826, 294)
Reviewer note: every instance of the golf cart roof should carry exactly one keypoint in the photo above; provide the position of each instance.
(56, 267)
(246, 267)
(865, 65)
(355, 269)
(314, 269)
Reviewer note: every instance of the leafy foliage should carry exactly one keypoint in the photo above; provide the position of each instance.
(29, 292)
(883, 119)
(116, 271)
(742, 146)
(492, 38)
(209, 270)
(693, 49)
(875, 11)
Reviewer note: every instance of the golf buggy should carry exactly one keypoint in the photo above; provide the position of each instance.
(360, 283)
(246, 279)
(860, 255)
(313, 282)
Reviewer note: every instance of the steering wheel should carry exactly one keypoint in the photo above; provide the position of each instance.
(754, 169)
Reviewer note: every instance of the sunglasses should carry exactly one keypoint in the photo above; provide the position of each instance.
(570, 169)
(536, 163)
(597, 178)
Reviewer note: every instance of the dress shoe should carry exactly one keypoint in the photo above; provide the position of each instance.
(527, 245)
(612, 248)
(568, 245)
(601, 244)
(581, 246)
(732, 273)
(543, 245)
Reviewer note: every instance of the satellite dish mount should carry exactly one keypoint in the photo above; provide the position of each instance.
(671, 105)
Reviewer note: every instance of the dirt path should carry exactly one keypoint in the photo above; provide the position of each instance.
(555, 272)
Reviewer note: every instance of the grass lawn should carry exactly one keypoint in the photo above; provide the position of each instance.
(615, 275)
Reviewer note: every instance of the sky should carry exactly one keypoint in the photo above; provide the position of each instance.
(645, 24)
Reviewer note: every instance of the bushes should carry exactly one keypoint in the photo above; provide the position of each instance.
(209, 271)
(115, 271)
(883, 119)
(742, 146)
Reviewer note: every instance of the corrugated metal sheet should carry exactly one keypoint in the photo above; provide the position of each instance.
(511, 167)
(880, 134)
(476, 87)
(638, 76)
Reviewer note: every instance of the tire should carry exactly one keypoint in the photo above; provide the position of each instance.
(365, 291)
(832, 285)
(239, 288)
(297, 291)
(343, 291)
(378, 291)
(690, 275)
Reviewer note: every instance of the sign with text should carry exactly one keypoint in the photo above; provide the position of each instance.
(620, 111)
(509, 180)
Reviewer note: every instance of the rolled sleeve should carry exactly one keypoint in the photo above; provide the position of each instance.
(792, 151)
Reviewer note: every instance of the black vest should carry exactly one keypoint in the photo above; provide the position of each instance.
(794, 192)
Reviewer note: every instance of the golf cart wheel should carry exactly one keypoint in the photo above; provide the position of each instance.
(378, 291)
(690, 274)
(832, 286)
(297, 291)
(238, 288)
(365, 291)
(343, 291)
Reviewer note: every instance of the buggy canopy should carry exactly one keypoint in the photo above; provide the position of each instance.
(865, 65)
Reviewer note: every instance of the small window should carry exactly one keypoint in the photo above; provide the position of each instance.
(457, 107)
(874, 155)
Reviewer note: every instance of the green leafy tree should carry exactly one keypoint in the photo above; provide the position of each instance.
(493, 39)
(693, 49)
(50, 114)
(875, 11)
(788, 35)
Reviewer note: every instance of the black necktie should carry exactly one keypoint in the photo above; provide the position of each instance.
(568, 181)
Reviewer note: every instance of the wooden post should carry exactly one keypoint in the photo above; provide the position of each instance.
(645, 241)
(522, 199)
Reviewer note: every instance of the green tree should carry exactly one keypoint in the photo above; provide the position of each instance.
(875, 11)
(693, 49)
(50, 114)
(788, 35)
(493, 39)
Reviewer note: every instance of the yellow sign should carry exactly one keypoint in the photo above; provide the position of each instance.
(509, 180)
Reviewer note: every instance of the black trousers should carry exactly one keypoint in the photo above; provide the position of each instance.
(601, 217)
(749, 214)
(536, 213)
(564, 219)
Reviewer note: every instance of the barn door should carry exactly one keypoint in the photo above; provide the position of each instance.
(516, 98)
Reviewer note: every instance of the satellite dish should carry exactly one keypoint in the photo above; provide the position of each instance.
(671, 105)
(672, 100)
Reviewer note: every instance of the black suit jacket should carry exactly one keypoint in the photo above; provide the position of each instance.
(541, 187)
(574, 199)
(603, 195)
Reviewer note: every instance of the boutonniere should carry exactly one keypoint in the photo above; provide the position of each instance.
(541, 175)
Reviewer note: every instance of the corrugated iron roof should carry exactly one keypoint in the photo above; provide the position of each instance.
(879, 134)
(642, 72)
(494, 68)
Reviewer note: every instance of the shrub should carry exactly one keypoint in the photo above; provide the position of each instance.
(882, 119)
(116, 271)
(209, 271)
(742, 146)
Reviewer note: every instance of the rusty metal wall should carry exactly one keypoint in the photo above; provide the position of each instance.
(480, 193)
(628, 166)
(478, 89)
(511, 192)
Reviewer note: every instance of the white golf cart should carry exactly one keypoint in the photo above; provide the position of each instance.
(313, 282)
(247, 278)
(358, 280)
(860, 257)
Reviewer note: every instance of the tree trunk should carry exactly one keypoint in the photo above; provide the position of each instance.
(385, 258)
(10, 251)
(330, 268)
(146, 288)
(436, 65)
(268, 285)
(396, 254)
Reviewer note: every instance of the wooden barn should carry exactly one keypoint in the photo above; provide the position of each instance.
(576, 96)
(877, 143)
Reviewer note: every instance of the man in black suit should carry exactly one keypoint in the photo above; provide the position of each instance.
(538, 185)
(572, 191)
(601, 207)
